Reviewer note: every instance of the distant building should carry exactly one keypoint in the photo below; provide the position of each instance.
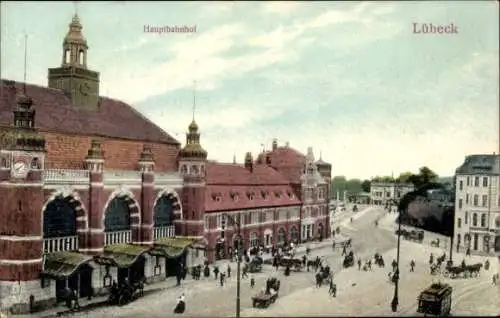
(477, 203)
(382, 193)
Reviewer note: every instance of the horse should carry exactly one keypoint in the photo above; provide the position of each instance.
(474, 269)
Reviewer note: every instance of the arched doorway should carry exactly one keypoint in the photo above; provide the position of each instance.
(281, 236)
(164, 217)
(220, 250)
(59, 237)
(320, 232)
(117, 221)
(294, 235)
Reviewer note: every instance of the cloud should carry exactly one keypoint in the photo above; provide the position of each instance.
(282, 7)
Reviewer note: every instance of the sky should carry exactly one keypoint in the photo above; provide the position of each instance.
(351, 79)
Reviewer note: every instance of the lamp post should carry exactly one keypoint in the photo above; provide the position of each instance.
(395, 299)
(238, 264)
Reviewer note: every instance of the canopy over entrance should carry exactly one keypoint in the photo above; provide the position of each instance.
(63, 264)
(173, 247)
(122, 255)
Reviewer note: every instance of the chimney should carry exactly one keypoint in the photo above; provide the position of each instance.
(249, 161)
(268, 158)
(275, 144)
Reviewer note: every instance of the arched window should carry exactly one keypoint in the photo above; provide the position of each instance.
(184, 169)
(35, 163)
(67, 56)
(59, 218)
(459, 223)
(474, 219)
(117, 217)
(483, 220)
(194, 169)
(281, 236)
(476, 241)
(81, 57)
(254, 240)
(164, 211)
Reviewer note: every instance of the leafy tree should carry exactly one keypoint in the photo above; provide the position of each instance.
(404, 177)
(366, 185)
(427, 175)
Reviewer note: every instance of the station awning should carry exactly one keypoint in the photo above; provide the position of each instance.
(173, 247)
(63, 264)
(122, 255)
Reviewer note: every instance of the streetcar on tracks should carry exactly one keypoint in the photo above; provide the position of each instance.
(435, 300)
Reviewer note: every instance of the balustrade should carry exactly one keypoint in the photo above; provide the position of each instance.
(60, 244)
(65, 176)
(164, 231)
(117, 237)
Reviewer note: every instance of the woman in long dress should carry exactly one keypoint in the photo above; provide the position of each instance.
(181, 305)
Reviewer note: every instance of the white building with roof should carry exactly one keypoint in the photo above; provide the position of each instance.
(477, 204)
(382, 193)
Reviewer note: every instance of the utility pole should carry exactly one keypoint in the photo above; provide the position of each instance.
(395, 299)
(238, 265)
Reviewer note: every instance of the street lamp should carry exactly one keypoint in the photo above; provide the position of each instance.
(238, 266)
(395, 299)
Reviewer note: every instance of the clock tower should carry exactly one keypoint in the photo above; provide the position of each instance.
(73, 77)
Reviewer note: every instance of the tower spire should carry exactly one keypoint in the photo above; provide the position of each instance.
(321, 155)
(194, 98)
(25, 61)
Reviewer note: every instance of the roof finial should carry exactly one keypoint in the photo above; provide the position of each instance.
(75, 4)
(321, 155)
(234, 158)
(25, 60)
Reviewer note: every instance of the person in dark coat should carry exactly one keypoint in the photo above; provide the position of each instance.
(412, 266)
(359, 264)
(221, 278)
(216, 272)
(304, 260)
(252, 282)
(228, 271)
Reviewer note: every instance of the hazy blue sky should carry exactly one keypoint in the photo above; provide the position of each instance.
(349, 79)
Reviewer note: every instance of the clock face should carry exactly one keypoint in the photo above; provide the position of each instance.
(85, 88)
(20, 169)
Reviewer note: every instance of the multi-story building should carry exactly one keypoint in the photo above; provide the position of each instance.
(477, 203)
(91, 191)
(382, 193)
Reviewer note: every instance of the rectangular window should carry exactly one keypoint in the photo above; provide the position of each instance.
(460, 185)
(460, 203)
(255, 217)
(476, 181)
(219, 221)
(467, 199)
(485, 200)
(459, 223)
(466, 217)
(476, 200)
(468, 181)
(207, 226)
(485, 181)
(270, 216)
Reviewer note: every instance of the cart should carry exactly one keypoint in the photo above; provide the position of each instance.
(263, 300)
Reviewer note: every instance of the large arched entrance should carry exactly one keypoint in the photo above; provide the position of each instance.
(121, 223)
(164, 217)
(294, 235)
(60, 243)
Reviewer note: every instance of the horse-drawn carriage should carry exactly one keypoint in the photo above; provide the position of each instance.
(435, 300)
(125, 292)
(348, 260)
(265, 298)
(415, 235)
(294, 263)
(466, 270)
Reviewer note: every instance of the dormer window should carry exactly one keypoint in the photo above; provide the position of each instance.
(234, 195)
(264, 194)
(250, 195)
(35, 163)
(290, 195)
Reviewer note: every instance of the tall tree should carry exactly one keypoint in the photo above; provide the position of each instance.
(339, 184)
(404, 177)
(366, 185)
(427, 175)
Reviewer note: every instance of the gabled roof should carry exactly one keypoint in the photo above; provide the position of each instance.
(235, 174)
(54, 112)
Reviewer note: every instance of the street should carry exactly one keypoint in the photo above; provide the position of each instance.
(358, 292)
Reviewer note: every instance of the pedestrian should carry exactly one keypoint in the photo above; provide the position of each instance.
(75, 297)
(369, 263)
(330, 290)
(467, 251)
(412, 265)
(216, 272)
(304, 260)
(333, 245)
(221, 278)
(252, 282)
(359, 264)
(344, 251)
(494, 279)
(431, 259)
(334, 290)
(228, 271)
